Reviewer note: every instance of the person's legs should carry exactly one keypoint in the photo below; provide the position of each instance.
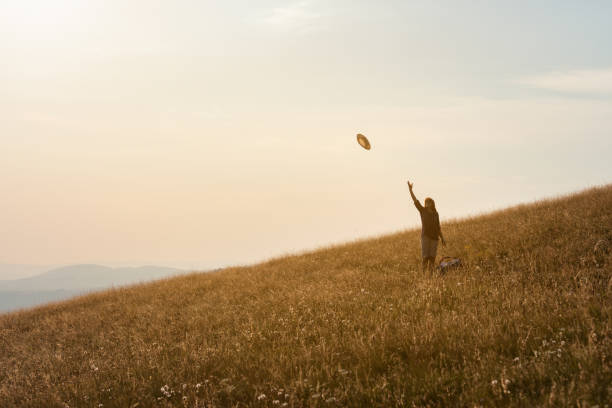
(429, 249)
(424, 252)
(426, 265)
(433, 251)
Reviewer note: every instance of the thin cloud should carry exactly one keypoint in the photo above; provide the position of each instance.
(592, 81)
(296, 15)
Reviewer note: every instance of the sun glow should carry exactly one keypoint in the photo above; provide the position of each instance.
(32, 21)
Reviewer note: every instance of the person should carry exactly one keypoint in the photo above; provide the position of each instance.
(430, 230)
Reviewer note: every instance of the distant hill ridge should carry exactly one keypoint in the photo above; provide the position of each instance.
(87, 276)
(65, 282)
(525, 322)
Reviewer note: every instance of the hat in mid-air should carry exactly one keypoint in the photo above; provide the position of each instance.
(363, 141)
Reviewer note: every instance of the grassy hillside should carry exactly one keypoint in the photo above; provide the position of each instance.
(527, 322)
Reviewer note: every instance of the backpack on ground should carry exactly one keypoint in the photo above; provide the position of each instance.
(447, 263)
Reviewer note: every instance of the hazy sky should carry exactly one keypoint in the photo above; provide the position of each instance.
(202, 133)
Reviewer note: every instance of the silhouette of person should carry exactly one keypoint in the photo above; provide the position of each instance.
(430, 230)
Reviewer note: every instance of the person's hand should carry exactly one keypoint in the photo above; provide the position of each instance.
(410, 185)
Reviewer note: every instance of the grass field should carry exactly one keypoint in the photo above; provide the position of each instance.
(526, 322)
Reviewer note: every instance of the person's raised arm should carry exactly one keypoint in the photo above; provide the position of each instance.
(414, 199)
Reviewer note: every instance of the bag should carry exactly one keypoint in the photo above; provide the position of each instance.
(448, 262)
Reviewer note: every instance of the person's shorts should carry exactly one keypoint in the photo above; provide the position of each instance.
(429, 247)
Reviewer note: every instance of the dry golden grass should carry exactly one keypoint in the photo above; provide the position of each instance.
(525, 323)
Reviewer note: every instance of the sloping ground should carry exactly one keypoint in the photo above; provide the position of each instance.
(525, 323)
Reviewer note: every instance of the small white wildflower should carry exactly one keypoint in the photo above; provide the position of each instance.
(494, 383)
(261, 397)
(516, 359)
(166, 391)
(285, 404)
(185, 398)
(276, 402)
(505, 384)
(198, 386)
(184, 386)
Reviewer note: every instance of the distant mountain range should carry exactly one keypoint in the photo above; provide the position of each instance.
(63, 283)
(17, 271)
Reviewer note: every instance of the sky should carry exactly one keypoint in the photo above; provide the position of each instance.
(201, 134)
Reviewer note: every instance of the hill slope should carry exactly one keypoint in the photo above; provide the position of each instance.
(526, 322)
